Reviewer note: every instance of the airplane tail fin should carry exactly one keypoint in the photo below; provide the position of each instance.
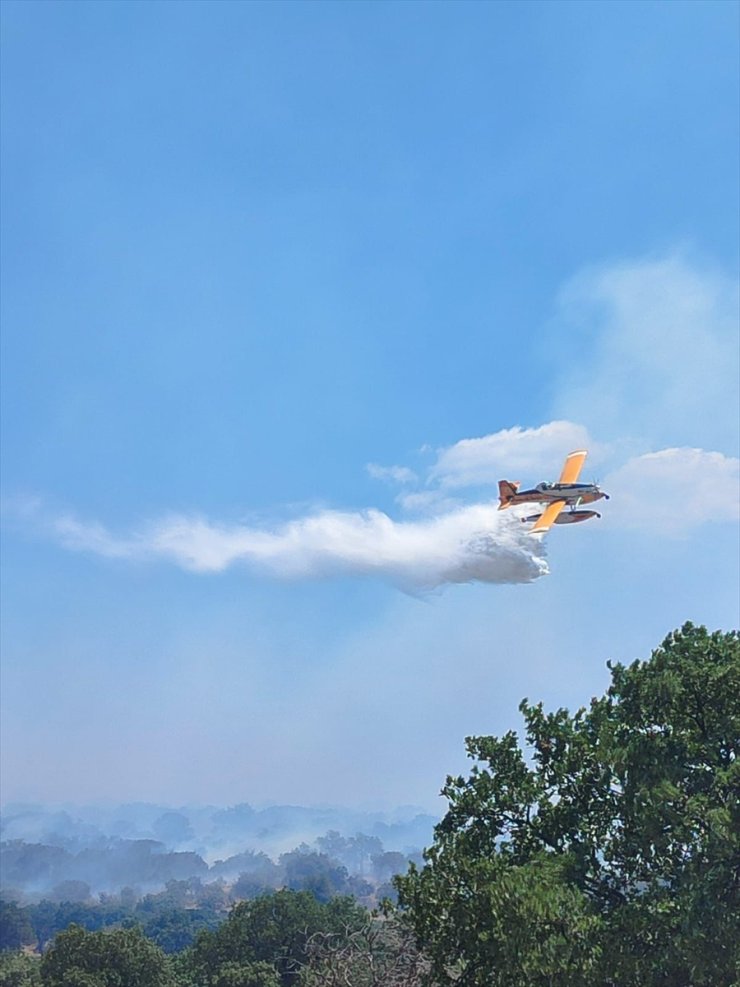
(506, 490)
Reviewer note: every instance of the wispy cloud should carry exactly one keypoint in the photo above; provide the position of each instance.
(653, 352)
(391, 474)
(674, 490)
(524, 451)
(474, 543)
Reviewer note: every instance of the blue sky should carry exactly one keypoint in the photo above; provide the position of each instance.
(286, 288)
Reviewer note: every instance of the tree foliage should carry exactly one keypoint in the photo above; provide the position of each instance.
(609, 854)
(314, 872)
(19, 970)
(104, 959)
(273, 929)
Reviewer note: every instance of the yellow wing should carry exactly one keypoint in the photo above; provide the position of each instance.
(573, 465)
(547, 518)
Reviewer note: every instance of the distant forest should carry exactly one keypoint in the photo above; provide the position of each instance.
(218, 855)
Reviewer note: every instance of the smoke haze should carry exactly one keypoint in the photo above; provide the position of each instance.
(106, 847)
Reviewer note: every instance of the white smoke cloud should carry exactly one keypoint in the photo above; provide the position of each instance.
(474, 543)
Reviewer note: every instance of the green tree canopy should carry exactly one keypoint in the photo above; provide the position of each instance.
(120, 958)
(314, 872)
(273, 929)
(609, 852)
(19, 970)
(257, 974)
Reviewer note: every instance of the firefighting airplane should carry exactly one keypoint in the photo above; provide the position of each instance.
(565, 493)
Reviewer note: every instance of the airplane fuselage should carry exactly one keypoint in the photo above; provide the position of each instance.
(547, 493)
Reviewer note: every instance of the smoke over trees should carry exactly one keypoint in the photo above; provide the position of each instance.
(606, 853)
(75, 856)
